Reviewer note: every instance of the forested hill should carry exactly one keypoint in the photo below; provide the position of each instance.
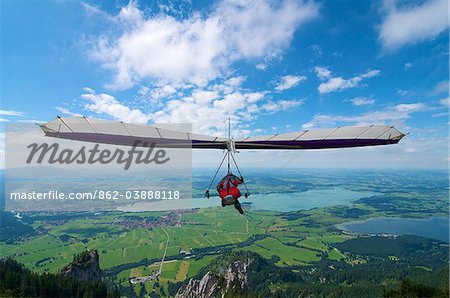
(12, 229)
(18, 281)
(325, 279)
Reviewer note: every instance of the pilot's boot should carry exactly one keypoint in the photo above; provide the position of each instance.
(237, 205)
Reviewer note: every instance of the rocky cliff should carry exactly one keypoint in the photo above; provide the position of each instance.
(234, 279)
(85, 267)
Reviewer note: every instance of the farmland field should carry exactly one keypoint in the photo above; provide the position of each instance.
(131, 245)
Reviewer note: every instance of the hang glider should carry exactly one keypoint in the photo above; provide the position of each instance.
(120, 133)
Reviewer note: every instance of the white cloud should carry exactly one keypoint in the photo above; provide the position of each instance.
(182, 65)
(322, 72)
(143, 90)
(208, 111)
(362, 101)
(108, 105)
(199, 48)
(269, 58)
(261, 66)
(410, 107)
(161, 92)
(11, 113)
(412, 24)
(409, 149)
(289, 81)
(66, 111)
(3, 120)
(208, 108)
(163, 48)
(255, 96)
(332, 84)
(435, 115)
(230, 85)
(88, 90)
(441, 87)
(258, 28)
(403, 92)
(445, 101)
(32, 121)
(96, 12)
(281, 105)
(201, 96)
(235, 81)
(316, 50)
(394, 115)
(131, 14)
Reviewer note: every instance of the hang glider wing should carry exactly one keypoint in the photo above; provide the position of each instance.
(119, 133)
(339, 137)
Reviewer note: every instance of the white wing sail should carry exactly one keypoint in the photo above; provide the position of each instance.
(120, 133)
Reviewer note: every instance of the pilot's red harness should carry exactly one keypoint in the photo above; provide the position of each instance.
(228, 189)
(229, 186)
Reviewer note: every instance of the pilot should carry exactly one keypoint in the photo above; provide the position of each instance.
(229, 192)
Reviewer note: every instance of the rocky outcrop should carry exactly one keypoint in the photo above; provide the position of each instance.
(236, 276)
(206, 287)
(85, 267)
(234, 279)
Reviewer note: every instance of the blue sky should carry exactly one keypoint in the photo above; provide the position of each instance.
(273, 66)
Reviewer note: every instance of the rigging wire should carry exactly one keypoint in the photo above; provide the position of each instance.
(227, 155)
(217, 171)
(240, 174)
(290, 160)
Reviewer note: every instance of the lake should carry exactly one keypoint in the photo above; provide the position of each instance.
(281, 202)
(434, 227)
(305, 200)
